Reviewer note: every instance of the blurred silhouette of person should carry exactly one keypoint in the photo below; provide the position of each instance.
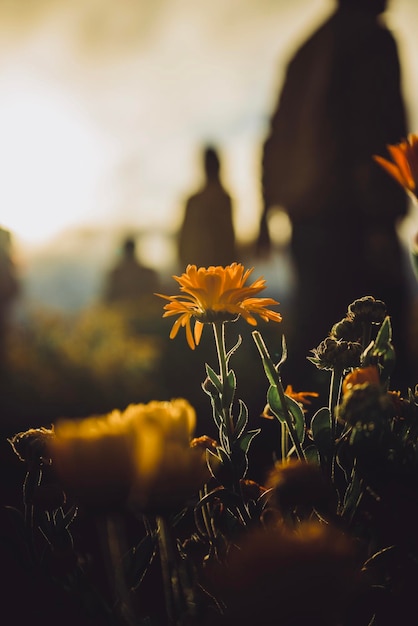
(129, 280)
(207, 235)
(341, 102)
(9, 287)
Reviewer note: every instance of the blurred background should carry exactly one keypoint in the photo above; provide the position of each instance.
(104, 108)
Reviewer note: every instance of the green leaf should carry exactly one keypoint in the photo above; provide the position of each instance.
(275, 403)
(245, 440)
(384, 336)
(216, 410)
(388, 362)
(234, 348)
(312, 455)
(223, 455)
(321, 430)
(230, 385)
(214, 378)
(268, 364)
(294, 408)
(242, 420)
(212, 461)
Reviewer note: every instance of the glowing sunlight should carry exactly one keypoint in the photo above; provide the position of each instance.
(50, 158)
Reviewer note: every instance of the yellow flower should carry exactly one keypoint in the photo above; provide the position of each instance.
(404, 168)
(140, 457)
(93, 458)
(216, 294)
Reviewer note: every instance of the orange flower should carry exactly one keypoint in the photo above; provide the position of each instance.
(404, 168)
(301, 396)
(359, 376)
(216, 294)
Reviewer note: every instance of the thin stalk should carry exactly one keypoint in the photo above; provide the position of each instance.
(207, 520)
(284, 441)
(31, 479)
(115, 533)
(334, 397)
(219, 332)
(171, 580)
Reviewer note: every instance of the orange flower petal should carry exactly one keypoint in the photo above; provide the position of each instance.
(217, 293)
(404, 165)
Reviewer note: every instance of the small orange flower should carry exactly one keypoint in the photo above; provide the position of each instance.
(359, 376)
(301, 396)
(216, 294)
(404, 167)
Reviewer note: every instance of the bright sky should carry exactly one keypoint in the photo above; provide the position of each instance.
(104, 104)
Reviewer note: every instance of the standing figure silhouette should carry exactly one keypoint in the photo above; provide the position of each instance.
(129, 280)
(207, 235)
(341, 102)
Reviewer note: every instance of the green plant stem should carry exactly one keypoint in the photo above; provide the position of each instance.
(284, 441)
(219, 332)
(334, 397)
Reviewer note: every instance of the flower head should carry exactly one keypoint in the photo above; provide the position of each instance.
(367, 310)
(32, 445)
(215, 294)
(271, 566)
(297, 483)
(334, 354)
(366, 406)
(404, 167)
(140, 457)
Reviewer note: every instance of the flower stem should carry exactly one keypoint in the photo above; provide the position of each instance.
(334, 396)
(219, 332)
(169, 572)
(112, 535)
(284, 441)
